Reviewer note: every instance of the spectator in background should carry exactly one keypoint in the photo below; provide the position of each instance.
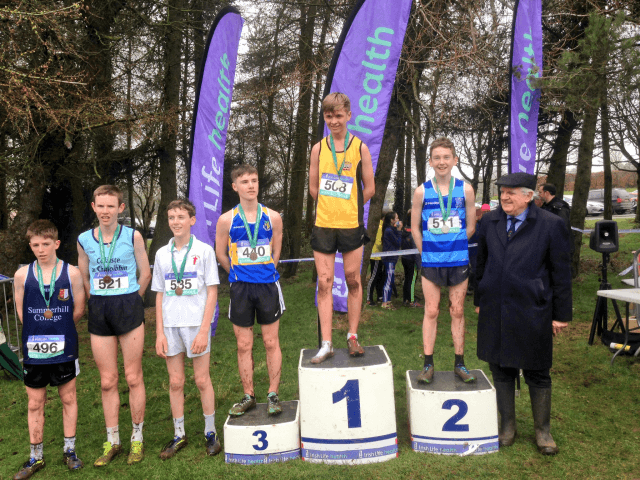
(376, 280)
(409, 263)
(553, 204)
(391, 238)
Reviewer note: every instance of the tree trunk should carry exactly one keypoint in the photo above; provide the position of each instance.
(398, 196)
(408, 190)
(606, 158)
(558, 163)
(293, 220)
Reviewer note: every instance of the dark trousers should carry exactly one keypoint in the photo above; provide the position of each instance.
(376, 281)
(533, 378)
(408, 287)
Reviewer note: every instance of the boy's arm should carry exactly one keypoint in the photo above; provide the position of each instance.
(83, 266)
(368, 179)
(222, 240)
(470, 205)
(201, 341)
(276, 239)
(79, 297)
(416, 217)
(314, 171)
(18, 287)
(161, 341)
(142, 262)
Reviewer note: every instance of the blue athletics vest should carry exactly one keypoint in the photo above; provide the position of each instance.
(54, 340)
(444, 249)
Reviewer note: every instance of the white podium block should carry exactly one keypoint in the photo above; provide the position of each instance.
(347, 408)
(257, 438)
(450, 417)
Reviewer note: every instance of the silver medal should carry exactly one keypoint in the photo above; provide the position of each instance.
(445, 228)
(339, 184)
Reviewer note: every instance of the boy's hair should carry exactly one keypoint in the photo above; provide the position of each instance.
(182, 204)
(42, 228)
(334, 101)
(109, 190)
(244, 169)
(442, 142)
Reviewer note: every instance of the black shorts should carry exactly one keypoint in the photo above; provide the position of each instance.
(330, 240)
(446, 276)
(54, 374)
(255, 300)
(112, 316)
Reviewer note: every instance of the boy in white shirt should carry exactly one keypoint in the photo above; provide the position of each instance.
(185, 277)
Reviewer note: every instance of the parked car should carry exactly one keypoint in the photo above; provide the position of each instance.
(634, 200)
(593, 208)
(619, 196)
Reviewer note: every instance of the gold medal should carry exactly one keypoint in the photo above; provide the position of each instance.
(178, 291)
(445, 228)
(48, 314)
(107, 279)
(254, 255)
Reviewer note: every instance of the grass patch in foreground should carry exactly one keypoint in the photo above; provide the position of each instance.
(594, 415)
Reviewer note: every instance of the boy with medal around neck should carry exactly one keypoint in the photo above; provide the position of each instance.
(341, 181)
(248, 244)
(49, 299)
(443, 216)
(108, 257)
(185, 279)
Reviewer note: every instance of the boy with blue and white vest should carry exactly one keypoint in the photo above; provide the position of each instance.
(443, 218)
(108, 257)
(49, 298)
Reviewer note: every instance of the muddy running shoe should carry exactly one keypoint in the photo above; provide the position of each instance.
(273, 404)
(136, 454)
(171, 448)
(110, 452)
(71, 460)
(247, 403)
(426, 376)
(355, 350)
(325, 352)
(464, 374)
(30, 467)
(213, 444)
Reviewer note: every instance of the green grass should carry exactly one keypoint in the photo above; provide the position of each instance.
(595, 417)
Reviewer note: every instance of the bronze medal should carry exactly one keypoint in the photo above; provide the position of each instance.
(254, 255)
(48, 314)
(445, 228)
(107, 279)
(179, 291)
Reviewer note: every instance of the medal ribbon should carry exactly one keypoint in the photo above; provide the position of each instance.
(52, 285)
(184, 260)
(333, 152)
(253, 240)
(107, 261)
(445, 215)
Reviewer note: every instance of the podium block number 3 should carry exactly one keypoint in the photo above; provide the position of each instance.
(452, 424)
(351, 391)
(262, 440)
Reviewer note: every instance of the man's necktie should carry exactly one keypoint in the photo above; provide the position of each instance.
(512, 228)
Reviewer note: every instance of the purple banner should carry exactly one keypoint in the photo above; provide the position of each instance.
(526, 66)
(364, 68)
(210, 123)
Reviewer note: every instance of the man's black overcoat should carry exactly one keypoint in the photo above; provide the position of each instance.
(522, 286)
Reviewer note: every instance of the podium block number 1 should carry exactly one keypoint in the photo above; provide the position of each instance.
(452, 424)
(351, 391)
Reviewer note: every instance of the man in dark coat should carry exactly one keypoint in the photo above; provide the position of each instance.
(524, 297)
(554, 204)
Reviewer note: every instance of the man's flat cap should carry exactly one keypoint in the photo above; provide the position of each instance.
(518, 179)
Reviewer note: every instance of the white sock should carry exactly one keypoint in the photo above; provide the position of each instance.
(113, 435)
(36, 450)
(69, 444)
(326, 348)
(349, 335)
(178, 425)
(210, 423)
(136, 435)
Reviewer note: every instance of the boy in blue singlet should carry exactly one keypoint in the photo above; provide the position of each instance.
(443, 215)
(49, 300)
(185, 277)
(248, 243)
(108, 258)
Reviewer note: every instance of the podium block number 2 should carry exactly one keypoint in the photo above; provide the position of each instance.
(452, 424)
(262, 440)
(351, 391)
